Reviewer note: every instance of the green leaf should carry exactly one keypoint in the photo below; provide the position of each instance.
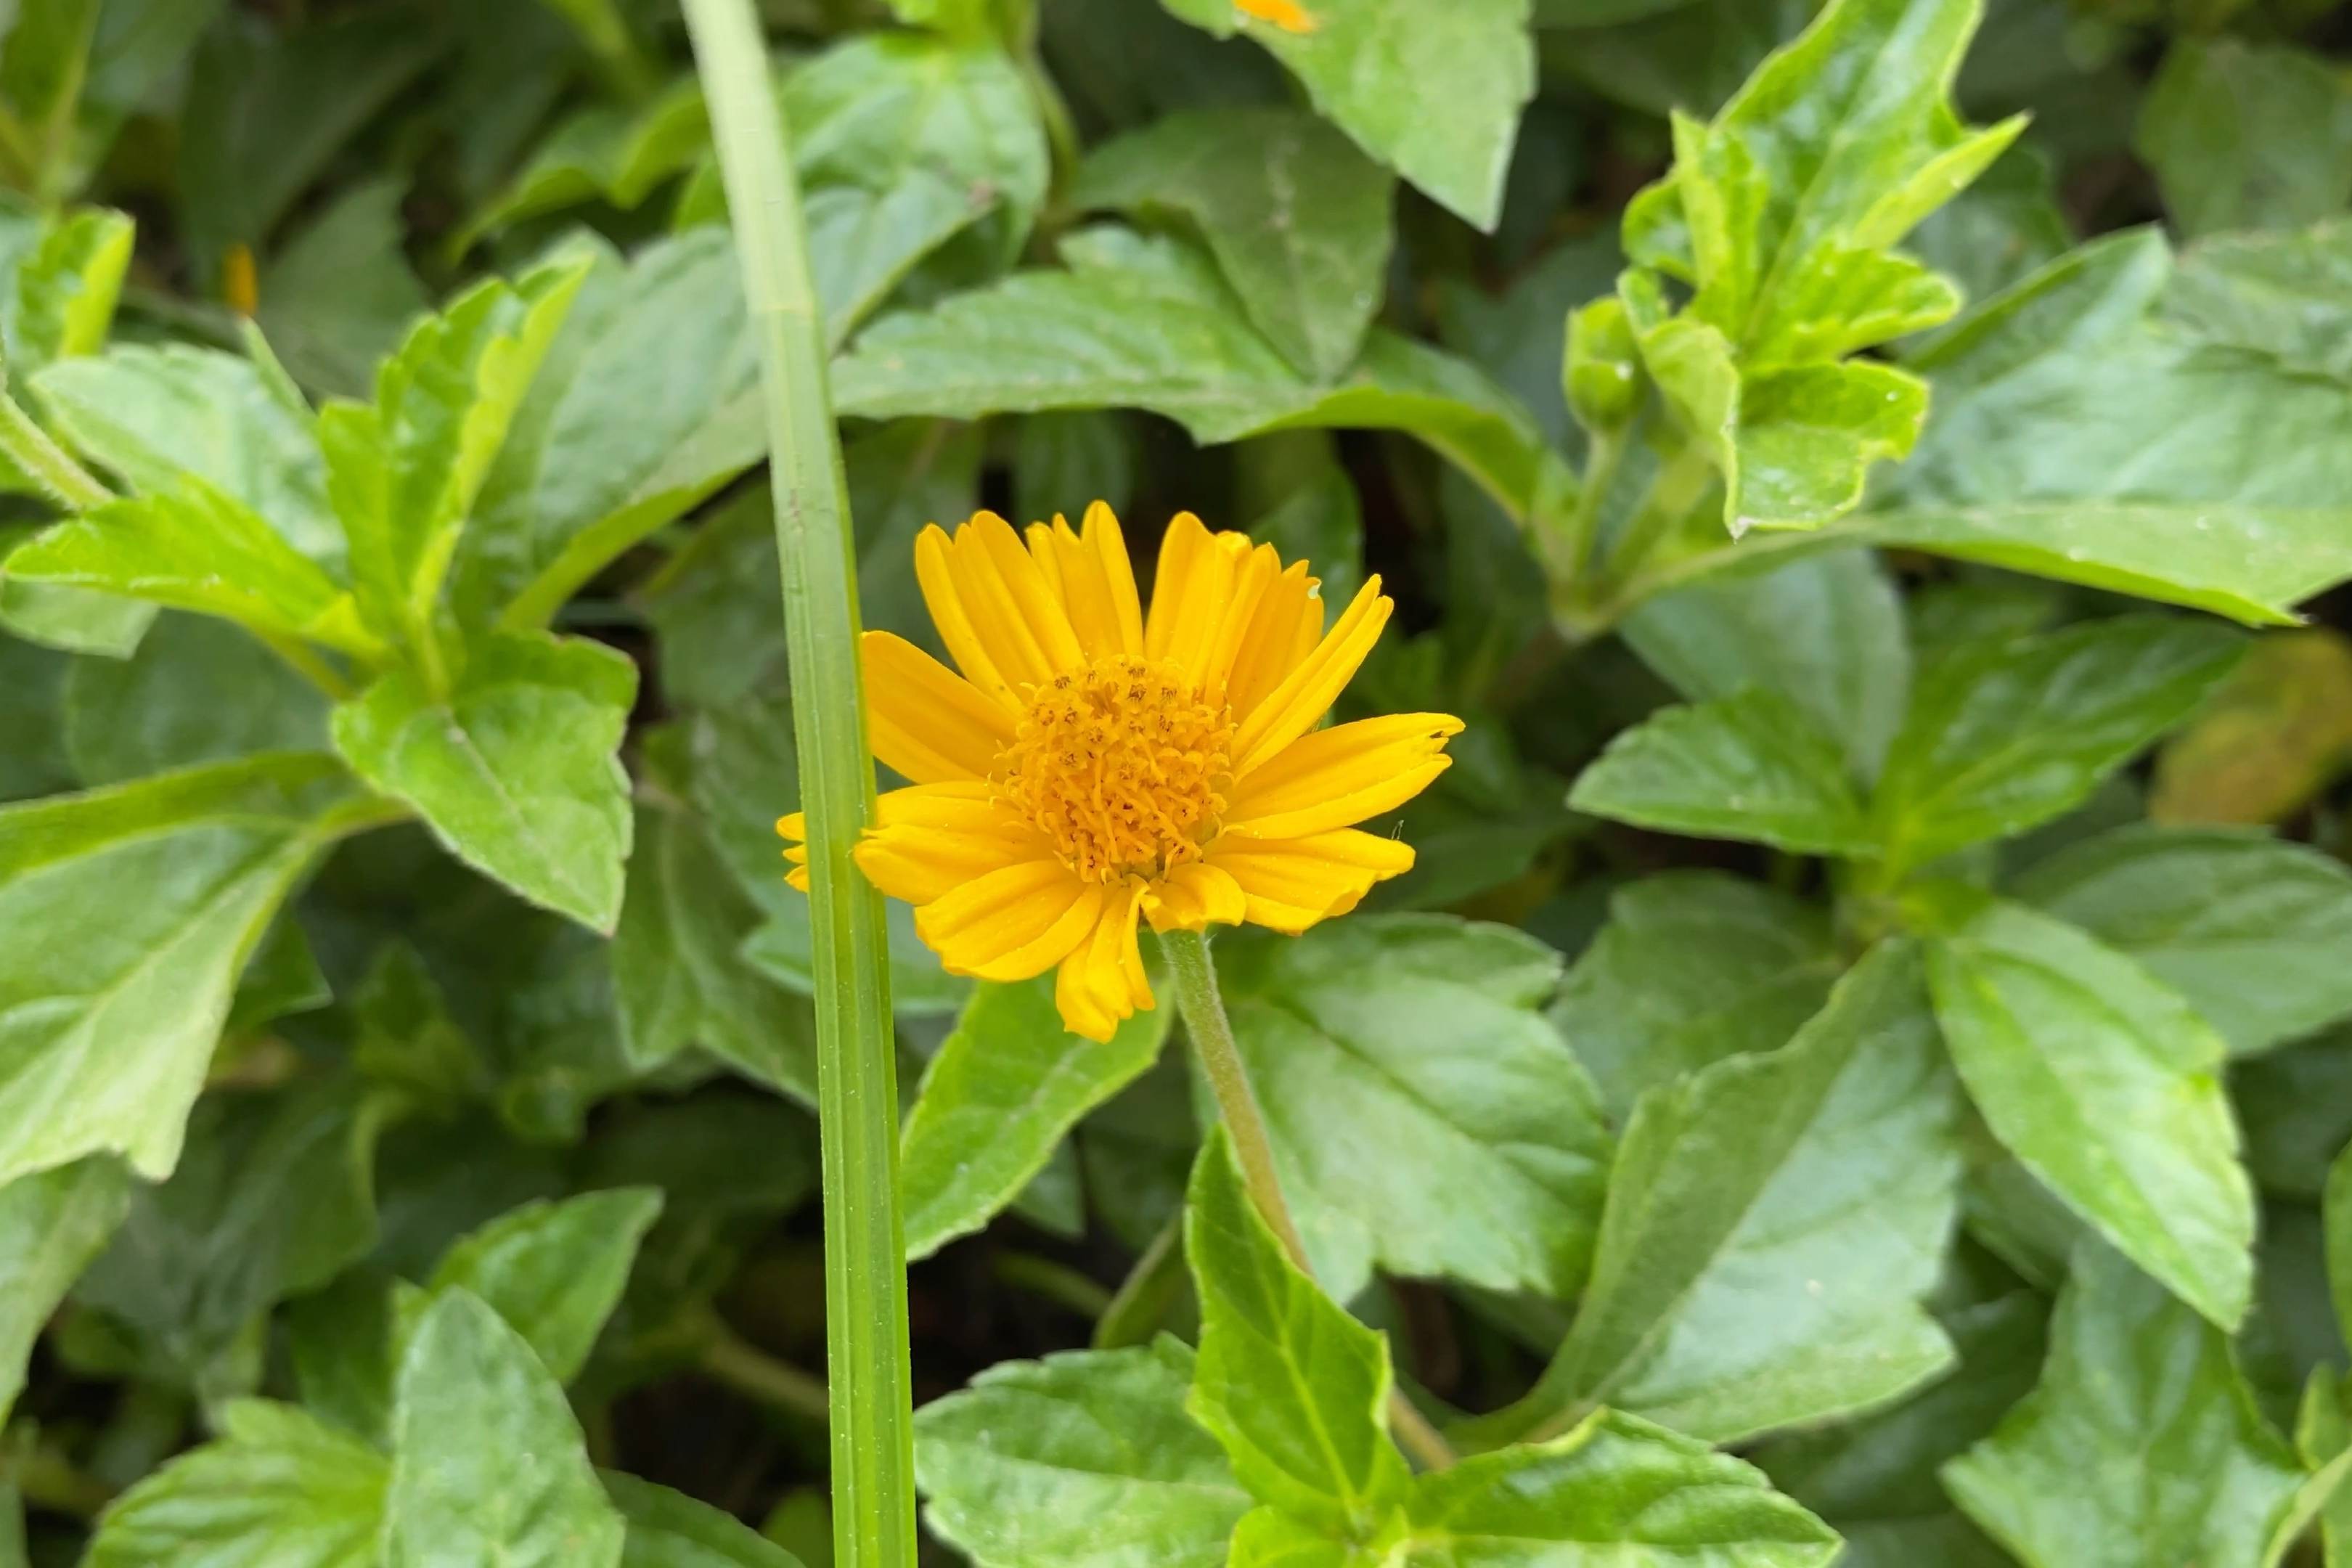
(2007, 735)
(340, 296)
(2000, 229)
(2337, 1212)
(1825, 632)
(2247, 136)
(73, 620)
(197, 548)
(273, 1195)
(488, 1464)
(1875, 1478)
(1782, 213)
(904, 142)
(1516, 334)
(1794, 445)
(2188, 474)
(1433, 92)
(2287, 295)
(2244, 927)
(269, 108)
(900, 140)
(1295, 1390)
(1772, 1222)
(2104, 1084)
(65, 286)
(279, 1488)
(150, 414)
(1085, 1459)
(127, 914)
(2136, 1388)
(1749, 766)
(1693, 966)
(602, 152)
(997, 1101)
(1615, 1490)
(514, 769)
(1783, 210)
(554, 1270)
(33, 759)
(647, 402)
(1062, 456)
(42, 66)
(1297, 219)
(1422, 1032)
(2251, 563)
(678, 976)
(52, 1223)
(2323, 1437)
(670, 1529)
(405, 472)
(1147, 322)
(162, 708)
(2296, 1112)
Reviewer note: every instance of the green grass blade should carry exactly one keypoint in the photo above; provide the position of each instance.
(865, 1284)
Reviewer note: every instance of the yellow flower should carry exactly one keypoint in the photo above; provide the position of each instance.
(1287, 14)
(1091, 766)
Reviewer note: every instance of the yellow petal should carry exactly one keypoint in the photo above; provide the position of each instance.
(1194, 897)
(1307, 692)
(1101, 534)
(1012, 922)
(1013, 607)
(1291, 883)
(924, 720)
(1016, 921)
(1255, 575)
(932, 840)
(943, 594)
(1089, 574)
(1285, 630)
(1190, 591)
(1102, 984)
(1332, 778)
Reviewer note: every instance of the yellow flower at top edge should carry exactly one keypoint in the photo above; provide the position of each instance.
(1091, 766)
(1287, 14)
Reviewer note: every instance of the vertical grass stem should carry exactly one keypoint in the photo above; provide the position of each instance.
(866, 1282)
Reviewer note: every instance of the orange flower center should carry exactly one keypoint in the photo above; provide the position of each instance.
(1123, 768)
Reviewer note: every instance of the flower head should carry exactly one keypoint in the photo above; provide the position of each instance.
(1091, 766)
(1287, 14)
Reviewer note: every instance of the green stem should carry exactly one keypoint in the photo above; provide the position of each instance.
(1204, 1007)
(48, 1480)
(750, 1371)
(1149, 1289)
(1056, 1282)
(857, 1091)
(1679, 485)
(306, 663)
(1606, 454)
(46, 463)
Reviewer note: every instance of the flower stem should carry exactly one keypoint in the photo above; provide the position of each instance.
(858, 1094)
(1204, 1007)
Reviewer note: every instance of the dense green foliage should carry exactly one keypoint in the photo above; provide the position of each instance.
(1860, 1073)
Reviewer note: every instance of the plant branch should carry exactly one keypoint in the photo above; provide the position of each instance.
(305, 661)
(857, 1090)
(1204, 1007)
(750, 1371)
(1150, 1289)
(46, 463)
